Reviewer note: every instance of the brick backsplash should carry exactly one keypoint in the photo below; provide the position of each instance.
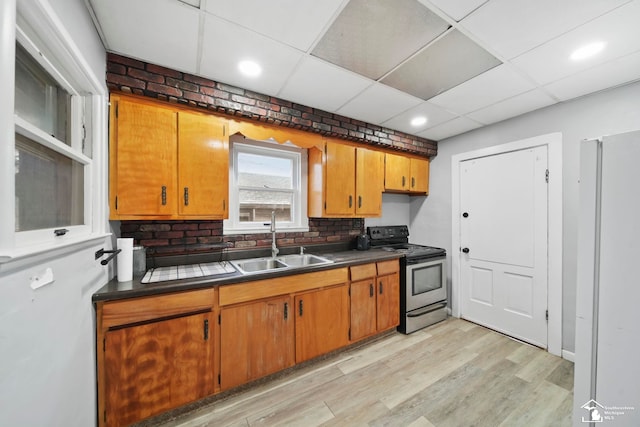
(186, 237)
(133, 76)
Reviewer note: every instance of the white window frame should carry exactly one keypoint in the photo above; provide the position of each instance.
(300, 221)
(40, 33)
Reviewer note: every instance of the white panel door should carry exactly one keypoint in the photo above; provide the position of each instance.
(503, 233)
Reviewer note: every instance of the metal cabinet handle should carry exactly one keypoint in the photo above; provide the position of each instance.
(380, 287)
(350, 200)
(300, 308)
(186, 196)
(164, 195)
(370, 289)
(359, 201)
(413, 182)
(403, 181)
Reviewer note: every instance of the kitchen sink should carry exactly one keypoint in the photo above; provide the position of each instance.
(261, 265)
(303, 260)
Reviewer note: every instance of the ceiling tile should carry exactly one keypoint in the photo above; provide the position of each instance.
(221, 54)
(512, 27)
(618, 29)
(456, 9)
(446, 63)
(452, 127)
(434, 114)
(512, 107)
(297, 23)
(322, 85)
(609, 74)
(499, 83)
(378, 103)
(151, 41)
(371, 38)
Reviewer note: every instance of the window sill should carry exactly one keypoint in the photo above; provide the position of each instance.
(36, 253)
(231, 232)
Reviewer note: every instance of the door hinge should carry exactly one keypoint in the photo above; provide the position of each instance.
(206, 329)
(546, 315)
(546, 175)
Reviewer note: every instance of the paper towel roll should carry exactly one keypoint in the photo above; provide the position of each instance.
(124, 260)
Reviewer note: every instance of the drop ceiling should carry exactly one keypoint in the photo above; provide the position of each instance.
(461, 64)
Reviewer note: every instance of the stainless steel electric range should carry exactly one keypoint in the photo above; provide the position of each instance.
(423, 277)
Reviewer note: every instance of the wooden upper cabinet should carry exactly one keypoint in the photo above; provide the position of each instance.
(406, 174)
(345, 181)
(396, 172)
(340, 179)
(165, 162)
(203, 166)
(142, 159)
(419, 175)
(369, 182)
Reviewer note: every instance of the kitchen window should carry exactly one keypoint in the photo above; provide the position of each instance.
(266, 177)
(53, 151)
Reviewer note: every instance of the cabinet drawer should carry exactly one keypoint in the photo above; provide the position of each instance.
(234, 294)
(118, 313)
(364, 271)
(388, 267)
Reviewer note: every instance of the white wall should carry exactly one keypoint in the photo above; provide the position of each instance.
(609, 112)
(395, 211)
(47, 349)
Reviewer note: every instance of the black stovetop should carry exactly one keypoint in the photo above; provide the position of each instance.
(395, 238)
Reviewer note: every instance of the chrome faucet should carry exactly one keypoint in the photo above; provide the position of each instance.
(274, 248)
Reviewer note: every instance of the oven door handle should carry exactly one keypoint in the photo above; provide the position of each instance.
(428, 310)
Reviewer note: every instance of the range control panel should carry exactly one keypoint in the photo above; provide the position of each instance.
(388, 232)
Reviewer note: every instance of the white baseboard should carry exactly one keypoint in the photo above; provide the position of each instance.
(570, 356)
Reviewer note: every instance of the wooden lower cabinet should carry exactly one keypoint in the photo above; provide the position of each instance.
(256, 340)
(388, 301)
(375, 298)
(322, 321)
(154, 367)
(363, 309)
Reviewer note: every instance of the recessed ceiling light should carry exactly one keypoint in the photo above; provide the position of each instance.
(249, 68)
(587, 51)
(418, 121)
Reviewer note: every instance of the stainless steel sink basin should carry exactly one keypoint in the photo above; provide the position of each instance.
(303, 260)
(261, 265)
(258, 265)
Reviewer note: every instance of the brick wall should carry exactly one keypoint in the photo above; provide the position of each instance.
(183, 237)
(133, 76)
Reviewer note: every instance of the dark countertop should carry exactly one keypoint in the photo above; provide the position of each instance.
(115, 290)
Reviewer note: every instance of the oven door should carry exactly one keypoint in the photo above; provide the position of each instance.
(426, 282)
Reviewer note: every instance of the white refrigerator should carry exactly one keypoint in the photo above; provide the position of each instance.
(607, 356)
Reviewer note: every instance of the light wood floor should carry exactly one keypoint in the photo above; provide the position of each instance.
(454, 373)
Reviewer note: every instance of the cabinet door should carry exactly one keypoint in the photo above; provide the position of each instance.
(256, 339)
(388, 301)
(369, 182)
(143, 142)
(397, 170)
(203, 166)
(158, 366)
(363, 309)
(420, 175)
(322, 322)
(340, 179)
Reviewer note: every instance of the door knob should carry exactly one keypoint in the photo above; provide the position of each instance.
(465, 250)
(465, 215)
